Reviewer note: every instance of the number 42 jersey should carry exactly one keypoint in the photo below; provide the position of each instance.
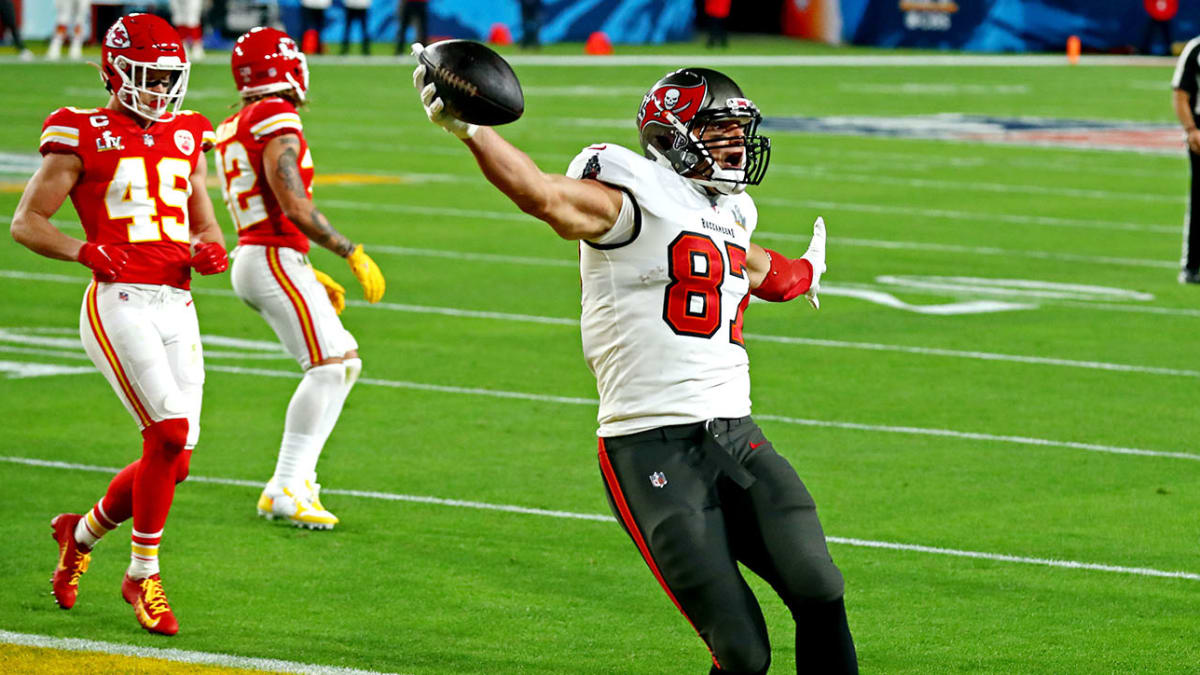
(663, 296)
(135, 185)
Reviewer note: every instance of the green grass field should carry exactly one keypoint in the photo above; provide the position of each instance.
(951, 455)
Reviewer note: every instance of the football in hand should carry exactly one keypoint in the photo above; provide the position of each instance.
(476, 84)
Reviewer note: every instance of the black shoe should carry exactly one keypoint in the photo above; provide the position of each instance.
(1189, 277)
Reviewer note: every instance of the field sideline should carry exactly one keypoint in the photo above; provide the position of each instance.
(992, 407)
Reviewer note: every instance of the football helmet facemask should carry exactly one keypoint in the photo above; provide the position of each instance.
(142, 53)
(265, 61)
(692, 112)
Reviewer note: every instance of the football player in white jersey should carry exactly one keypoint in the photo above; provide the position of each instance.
(667, 271)
(71, 16)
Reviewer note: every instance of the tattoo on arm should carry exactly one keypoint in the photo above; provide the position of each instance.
(288, 170)
(328, 237)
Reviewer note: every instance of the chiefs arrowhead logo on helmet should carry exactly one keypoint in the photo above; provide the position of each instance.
(117, 37)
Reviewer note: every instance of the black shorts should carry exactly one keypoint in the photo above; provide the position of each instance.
(697, 499)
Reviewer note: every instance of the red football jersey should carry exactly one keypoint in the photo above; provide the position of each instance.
(135, 185)
(240, 143)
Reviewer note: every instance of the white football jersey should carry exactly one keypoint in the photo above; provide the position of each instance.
(663, 297)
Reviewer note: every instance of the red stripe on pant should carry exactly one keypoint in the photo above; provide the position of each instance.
(614, 488)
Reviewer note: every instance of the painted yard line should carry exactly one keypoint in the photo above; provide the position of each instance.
(865, 243)
(889, 161)
(175, 655)
(568, 400)
(985, 217)
(957, 186)
(765, 61)
(1070, 564)
(476, 257)
(866, 543)
(782, 339)
(976, 250)
(985, 356)
(967, 435)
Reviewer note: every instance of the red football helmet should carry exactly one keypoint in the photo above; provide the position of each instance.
(141, 52)
(266, 60)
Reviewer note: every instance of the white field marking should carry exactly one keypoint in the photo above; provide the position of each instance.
(24, 369)
(976, 250)
(890, 161)
(866, 543)
(475, 257)
(429, 210)
(1070, 564)
(568, 400)
(985, 356)
(1024, 288)
(972, 436)
(936, 89)
(175, 655)
(945, 309)
(19, 164)
(584, 90)
(574, 323)
(765, 61)
(957, 186)
(985, 217)
(869, 243)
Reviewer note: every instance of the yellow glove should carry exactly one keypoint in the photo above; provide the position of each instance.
(368, 274)
(335, 291)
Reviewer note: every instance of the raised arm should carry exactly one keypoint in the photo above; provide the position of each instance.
(576, 209)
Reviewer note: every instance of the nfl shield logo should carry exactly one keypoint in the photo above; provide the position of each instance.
(123, 296)
(657, 479)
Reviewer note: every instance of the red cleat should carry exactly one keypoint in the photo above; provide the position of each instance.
(73, 559)
(150, 604)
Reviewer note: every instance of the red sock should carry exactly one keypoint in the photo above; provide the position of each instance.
(118, 501)
(154, 480)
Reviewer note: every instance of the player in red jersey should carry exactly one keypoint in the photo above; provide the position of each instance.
(135, 172)
(266, 177)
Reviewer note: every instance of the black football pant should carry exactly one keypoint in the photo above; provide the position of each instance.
(1191, 220)
(697, 499)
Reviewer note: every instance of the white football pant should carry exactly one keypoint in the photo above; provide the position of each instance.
(145, 339)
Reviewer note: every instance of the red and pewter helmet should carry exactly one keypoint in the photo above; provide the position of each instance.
(140, 52)
(675, 114)
(266, 60)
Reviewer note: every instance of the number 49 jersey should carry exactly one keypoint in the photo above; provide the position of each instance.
(663, 296)
(241, 140)
(134, 189)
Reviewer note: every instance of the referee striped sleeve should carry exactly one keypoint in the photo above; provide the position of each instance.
(1188, 54)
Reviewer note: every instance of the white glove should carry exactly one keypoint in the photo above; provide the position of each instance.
(815, 255)
(434, 107)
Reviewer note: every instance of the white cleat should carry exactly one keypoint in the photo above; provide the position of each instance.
(815, 255)
(54, 51)
(75, 53)
(299, 506)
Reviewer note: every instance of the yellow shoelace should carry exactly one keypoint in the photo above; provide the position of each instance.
(156, 597)
(79, 566)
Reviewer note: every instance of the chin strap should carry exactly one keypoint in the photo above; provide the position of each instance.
(787, 279)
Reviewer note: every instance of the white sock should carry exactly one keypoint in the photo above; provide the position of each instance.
(334, 411)
(305, 413)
